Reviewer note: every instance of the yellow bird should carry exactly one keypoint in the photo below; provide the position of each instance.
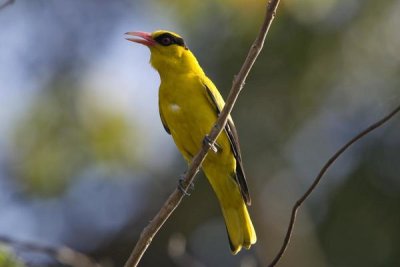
(189, 105)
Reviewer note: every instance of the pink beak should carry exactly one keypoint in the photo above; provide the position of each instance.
(146, 38)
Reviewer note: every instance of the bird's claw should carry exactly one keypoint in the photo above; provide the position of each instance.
(181, 186)
(213, 147)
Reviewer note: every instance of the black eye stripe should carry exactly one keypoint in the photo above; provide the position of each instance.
(163, 40)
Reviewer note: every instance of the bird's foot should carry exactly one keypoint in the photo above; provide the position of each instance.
(214, 147)
(181, 186)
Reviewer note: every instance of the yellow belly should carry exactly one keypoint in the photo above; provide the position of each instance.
(190, 116)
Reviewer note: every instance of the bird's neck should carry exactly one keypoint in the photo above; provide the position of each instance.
(184, 64)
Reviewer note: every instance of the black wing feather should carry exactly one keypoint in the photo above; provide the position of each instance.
(164, 123)
(230, 130)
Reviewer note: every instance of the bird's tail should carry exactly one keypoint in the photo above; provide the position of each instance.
(240, 229)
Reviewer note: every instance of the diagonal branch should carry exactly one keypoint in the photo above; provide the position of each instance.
(304, 197)
(176, 197)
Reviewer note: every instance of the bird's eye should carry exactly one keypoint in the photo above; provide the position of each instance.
(166, 41)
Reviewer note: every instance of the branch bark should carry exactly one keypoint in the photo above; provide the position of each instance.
(176, 197)
(317, 179)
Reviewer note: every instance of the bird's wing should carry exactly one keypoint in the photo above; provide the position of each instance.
(164, 123)
(218, 103)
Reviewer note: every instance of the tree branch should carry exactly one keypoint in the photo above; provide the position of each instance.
(6, 3)
(63, 254)
(176, 197)
(304, 197)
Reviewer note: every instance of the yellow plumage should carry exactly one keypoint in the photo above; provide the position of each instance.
(189, 104)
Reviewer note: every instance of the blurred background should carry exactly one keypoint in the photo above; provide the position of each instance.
(86, 163)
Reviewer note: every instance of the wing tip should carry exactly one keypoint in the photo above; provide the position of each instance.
(241, 179)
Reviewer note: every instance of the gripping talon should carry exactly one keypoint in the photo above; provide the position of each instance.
(214, 147)
(181, 187)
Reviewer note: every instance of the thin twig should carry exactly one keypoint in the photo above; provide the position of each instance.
(176, 197)
(304, 197)
(6, 3)
(63, 254)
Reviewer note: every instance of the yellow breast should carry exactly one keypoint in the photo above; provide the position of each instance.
(188, 113)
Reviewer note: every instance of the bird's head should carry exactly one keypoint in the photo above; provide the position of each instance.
(168, 50)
